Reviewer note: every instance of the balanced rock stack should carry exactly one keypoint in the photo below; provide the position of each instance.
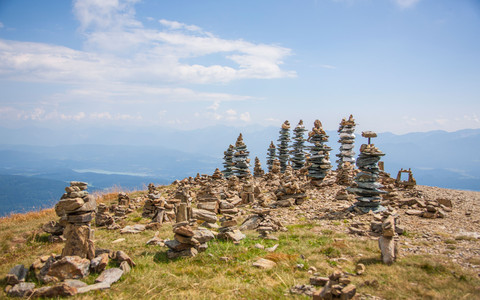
(290, 191)
(271, 156)
(319, 153)
(123, 199)
(208, 199)
(345, 174)
(102, 217)
(151, 188)
(228, 163)
(367, 186)
(154, 208)
(337, 287)
(347, 139)
(240, 159)
(76, 208)
(284, 139)
(257, 169)
(228, 230)
(248, 193)
(298, 152)
(388, 241)
(187, 241)
(217, 175)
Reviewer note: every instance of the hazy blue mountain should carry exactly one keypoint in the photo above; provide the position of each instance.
(132, 158)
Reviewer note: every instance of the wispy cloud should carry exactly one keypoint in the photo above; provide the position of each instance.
(328, 67)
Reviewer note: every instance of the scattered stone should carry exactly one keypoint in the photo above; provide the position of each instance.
(360, 269)
(16, 275)
(137, 228)
(58, 290)
(125, 267)
(121, 256)
(263, 263)
(69, 267)
(22, 289)
(110, 276)
(118, 240)
(93, 287)
(303, 289)
(99, 263)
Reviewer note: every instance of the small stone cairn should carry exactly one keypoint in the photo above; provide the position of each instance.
(271, 156)
(298, 152)
(228, 163)
(240, 159)
(337, 287)
(208, 199)
(76, 208)
(284, 139)
(102, 217)
(291, 190)
(319, 153)
(347, 142)
(217, 175)
(367, 187)
(345, 174)
(228, 230)
(257, 169)
(388, 241)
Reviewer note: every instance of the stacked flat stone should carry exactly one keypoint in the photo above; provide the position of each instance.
(217, 175)
(388, 241)
(102, 217)
(367, 186)
(76, 208)
(338, 286)
(290, 191)
(151, 188)
(347, 140)
(345, 174)
(240, 159)
(228, 161)
(123, 199)
(257, 169)
(284, 139)
(248, 193)
(319, 153)
(298, 152)
(208, 199)
(154, 207)
(228, 230)
(271, 156)
(187, 241)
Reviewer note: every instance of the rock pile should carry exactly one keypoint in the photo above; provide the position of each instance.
(217, 175)
(102, 217)
(123, 199)
(240, 159)
(319, 153)
(367, 186)
(284, 139)
(291, 190)
(298, 152)
(271, 156)
(337, 287)
(76, 208)
(187, 241)
(154, 208)
(228, 230)
(208, 199)
(228, 163)
(347, 139)
(345, 174)
(257, 169)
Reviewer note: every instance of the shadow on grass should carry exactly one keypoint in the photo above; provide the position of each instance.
(161, 258)
(370, 261)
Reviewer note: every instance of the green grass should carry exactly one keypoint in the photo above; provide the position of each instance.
(207, 276)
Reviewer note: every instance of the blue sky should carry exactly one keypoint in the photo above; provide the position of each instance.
(397, 65)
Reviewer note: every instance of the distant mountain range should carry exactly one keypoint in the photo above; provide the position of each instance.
(131, 158)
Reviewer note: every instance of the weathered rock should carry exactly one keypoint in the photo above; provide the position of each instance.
(414, 212)
(93, 287)
(388, 247)
(189, 252)
(360, 269)
(186, 240)
(70, 267)
(176, 245)
(99, 263)
(204, 215)
(59, 290)
(318, 281)
(250, 223)
(184, 231)
(110, 276)
(53, 227)
(235, 235)
(348, 292)
(203, 235)
(75, 283)
(263, 263)
(121, 256)
(16, 275)
(79, 241)
(132, 229)
(125, 267)
(22, 289)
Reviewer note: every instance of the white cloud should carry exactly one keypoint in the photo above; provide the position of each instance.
(231, 112)
(328, 67)
(178, 25)
(245, 117)
(406, 3)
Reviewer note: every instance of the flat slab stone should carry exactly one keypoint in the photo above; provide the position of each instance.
(16, 275)
(414, 212)
(137, 228)
(22, 289)
(93, 287)
(110, 276)
(263, 263)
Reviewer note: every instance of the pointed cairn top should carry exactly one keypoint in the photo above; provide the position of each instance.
(317, 129)
(239, 142)
(272, 145)
(300, 123)
(286, 125)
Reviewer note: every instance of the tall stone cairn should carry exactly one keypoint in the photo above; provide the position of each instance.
(298, 153)
(271, 156)
(347, 142)
(283, 140)
(367, 187)
(228, 162)
(319, 153)
(257, 169)
(240, 159)
(76, 209)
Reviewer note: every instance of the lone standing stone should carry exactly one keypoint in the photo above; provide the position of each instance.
(367, 187)
(77, 208)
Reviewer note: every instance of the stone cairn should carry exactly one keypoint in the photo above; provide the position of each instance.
(347, 142)
(76, 209)
(240, 159)
(263, 223)
(338, 286)
(257, 169)
(298, 153)
(154, 207)
(102, 217)
(208, 199)
(319, 153)
(284, 139)
(367, 187)
(228, 162)
(388, 241)
(217, 175)
(290, 191)
(228, 230)
(271, 156)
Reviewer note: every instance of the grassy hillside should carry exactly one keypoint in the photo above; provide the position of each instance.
(225, 270)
